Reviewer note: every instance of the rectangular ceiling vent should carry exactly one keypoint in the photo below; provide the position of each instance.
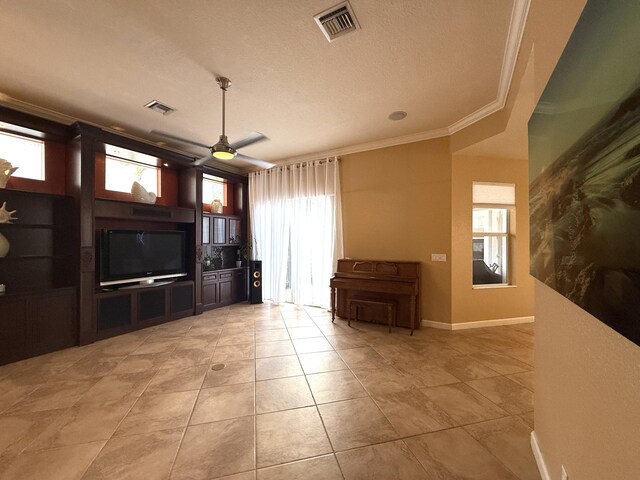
(337, 21)
(156, 106)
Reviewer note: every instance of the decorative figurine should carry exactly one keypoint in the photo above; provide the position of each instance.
(6, 169)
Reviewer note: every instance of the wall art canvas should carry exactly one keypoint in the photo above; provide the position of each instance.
(584, 154)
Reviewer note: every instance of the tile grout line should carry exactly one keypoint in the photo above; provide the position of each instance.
(318, 407)
(117, 426)
(324, 335)
(324, 427)
(255, 406)
(184, 433)
(401, 438)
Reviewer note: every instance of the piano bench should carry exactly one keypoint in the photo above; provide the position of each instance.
(359, 301)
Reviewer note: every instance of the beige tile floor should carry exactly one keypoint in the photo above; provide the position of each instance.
(298, 397)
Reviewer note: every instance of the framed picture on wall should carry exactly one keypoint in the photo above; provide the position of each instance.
(584, 157)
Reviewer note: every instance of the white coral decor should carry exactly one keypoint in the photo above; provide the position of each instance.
(5, 215)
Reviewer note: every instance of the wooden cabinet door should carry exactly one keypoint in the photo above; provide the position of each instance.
(13, 331)
(52, 323)
(209, 294)
(210, 290)
(225, 289)
(115, 311)
(239, 285)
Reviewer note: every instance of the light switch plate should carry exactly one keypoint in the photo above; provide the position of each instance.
(438, 257)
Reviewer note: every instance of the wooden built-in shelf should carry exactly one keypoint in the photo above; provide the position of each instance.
(33, 225)
(34, 257)
(51, 272)
(143, 211)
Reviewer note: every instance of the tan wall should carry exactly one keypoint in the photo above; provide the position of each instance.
(587, 380)
(587, 398)
(409, 201)
(395, 206)
(469, 304)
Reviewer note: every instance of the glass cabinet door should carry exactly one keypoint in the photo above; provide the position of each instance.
(206, 230)
(219, 230)
(234, 231)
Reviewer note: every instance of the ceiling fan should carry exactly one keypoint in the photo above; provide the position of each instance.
(223, 150)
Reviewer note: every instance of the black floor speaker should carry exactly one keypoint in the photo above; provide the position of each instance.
(255, 281)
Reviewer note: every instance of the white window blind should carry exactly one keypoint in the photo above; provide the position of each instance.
(494, 193)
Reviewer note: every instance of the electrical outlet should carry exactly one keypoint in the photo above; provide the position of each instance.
(563, 473)
(438, 257)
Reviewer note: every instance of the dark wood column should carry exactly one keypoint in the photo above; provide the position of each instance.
(80, 185)
(190, 196)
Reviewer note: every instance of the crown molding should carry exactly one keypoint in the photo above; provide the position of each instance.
(517, 24)
(364, 147)
(42, 112)
(512, 47)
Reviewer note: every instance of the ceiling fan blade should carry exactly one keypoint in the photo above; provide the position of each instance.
(178, 139)
(255, 161)
(202, 160)
(253, 137)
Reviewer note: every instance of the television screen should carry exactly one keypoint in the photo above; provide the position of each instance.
(132, 255)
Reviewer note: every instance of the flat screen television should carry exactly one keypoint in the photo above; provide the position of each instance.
(143, 256)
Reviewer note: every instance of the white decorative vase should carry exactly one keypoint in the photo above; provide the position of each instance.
(216, 206)
(4, 246)
(238, 263)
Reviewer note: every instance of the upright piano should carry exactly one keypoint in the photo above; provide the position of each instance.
(378, 280)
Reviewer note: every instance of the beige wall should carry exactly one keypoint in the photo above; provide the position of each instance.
(469, 304)
(587, 398)
(395, 206)
(587, 380)
(409, 201)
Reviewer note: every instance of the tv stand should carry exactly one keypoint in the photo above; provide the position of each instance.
(139, 306)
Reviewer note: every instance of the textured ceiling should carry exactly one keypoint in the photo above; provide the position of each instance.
(102, 61)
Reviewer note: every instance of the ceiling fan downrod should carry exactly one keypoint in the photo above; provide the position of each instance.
(224, 83)
(222, 150)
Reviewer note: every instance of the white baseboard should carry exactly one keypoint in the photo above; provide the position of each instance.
(542, 467)
(432, 324)
(480, 324)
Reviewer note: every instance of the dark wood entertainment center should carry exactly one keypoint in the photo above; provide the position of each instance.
(53, 298)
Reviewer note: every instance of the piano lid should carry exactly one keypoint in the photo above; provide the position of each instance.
(378, 268)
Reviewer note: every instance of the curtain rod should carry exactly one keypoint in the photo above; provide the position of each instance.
(298, 165)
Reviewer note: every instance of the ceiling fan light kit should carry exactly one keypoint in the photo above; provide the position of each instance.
(222, 150)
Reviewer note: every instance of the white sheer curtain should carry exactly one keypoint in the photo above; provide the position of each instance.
(296, 222)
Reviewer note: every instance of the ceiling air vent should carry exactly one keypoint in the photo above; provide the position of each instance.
(337, 21)
(156, 106)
